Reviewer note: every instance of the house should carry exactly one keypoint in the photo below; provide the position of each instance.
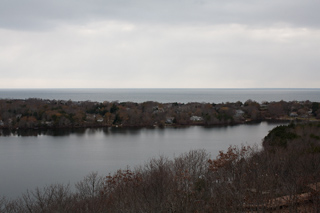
(49, 123)
(157, 110)
(293, 114)
(263, 106)
(169, 120)
(239, 113)
(196, 118)
(100, 120)
(90, 117)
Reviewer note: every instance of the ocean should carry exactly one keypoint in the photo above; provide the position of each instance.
(166, 95)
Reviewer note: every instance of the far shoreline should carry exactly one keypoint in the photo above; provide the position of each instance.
(38, 131)
(42, 114)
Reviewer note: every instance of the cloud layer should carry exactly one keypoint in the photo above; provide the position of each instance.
(193, 43)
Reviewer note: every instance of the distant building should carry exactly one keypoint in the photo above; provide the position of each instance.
(196, 118)
(100, 120)
(157, 109)
(169, 120)
(293, 114)
(239, 113)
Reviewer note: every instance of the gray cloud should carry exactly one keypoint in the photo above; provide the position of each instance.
(39, 14)
(119, 54)
(145, 43)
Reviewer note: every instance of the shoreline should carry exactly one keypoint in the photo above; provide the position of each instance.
(38, 131)
(56, 114)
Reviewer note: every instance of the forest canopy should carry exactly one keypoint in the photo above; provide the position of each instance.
(39, 113)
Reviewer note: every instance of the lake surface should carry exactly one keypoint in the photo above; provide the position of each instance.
(67, 156)
(165, 95)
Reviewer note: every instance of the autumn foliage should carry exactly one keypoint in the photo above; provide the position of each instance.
(42, 114)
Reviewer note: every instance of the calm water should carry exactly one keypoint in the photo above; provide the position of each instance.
(66, 157)
(165, 95)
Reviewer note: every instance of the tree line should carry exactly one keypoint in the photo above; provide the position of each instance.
(39, 113)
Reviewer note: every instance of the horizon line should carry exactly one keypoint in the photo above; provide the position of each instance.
(160, 88)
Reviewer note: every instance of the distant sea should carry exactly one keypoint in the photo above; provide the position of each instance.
(165, 95)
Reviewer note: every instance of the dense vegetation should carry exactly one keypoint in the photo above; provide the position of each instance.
(38, 113)
(283, 176)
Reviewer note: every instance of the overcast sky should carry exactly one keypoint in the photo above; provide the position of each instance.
(159, 44)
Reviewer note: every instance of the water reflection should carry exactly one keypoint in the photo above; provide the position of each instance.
(75, 131)
(110, 130)
(5, 132)
(124, 131)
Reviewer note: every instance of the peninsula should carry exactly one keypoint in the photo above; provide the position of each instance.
(41, 113)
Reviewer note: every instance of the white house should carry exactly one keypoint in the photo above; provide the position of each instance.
(196, 118)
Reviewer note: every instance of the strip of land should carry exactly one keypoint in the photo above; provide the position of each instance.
(40, 113)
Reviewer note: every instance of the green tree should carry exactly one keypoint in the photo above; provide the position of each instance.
(315, 107)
